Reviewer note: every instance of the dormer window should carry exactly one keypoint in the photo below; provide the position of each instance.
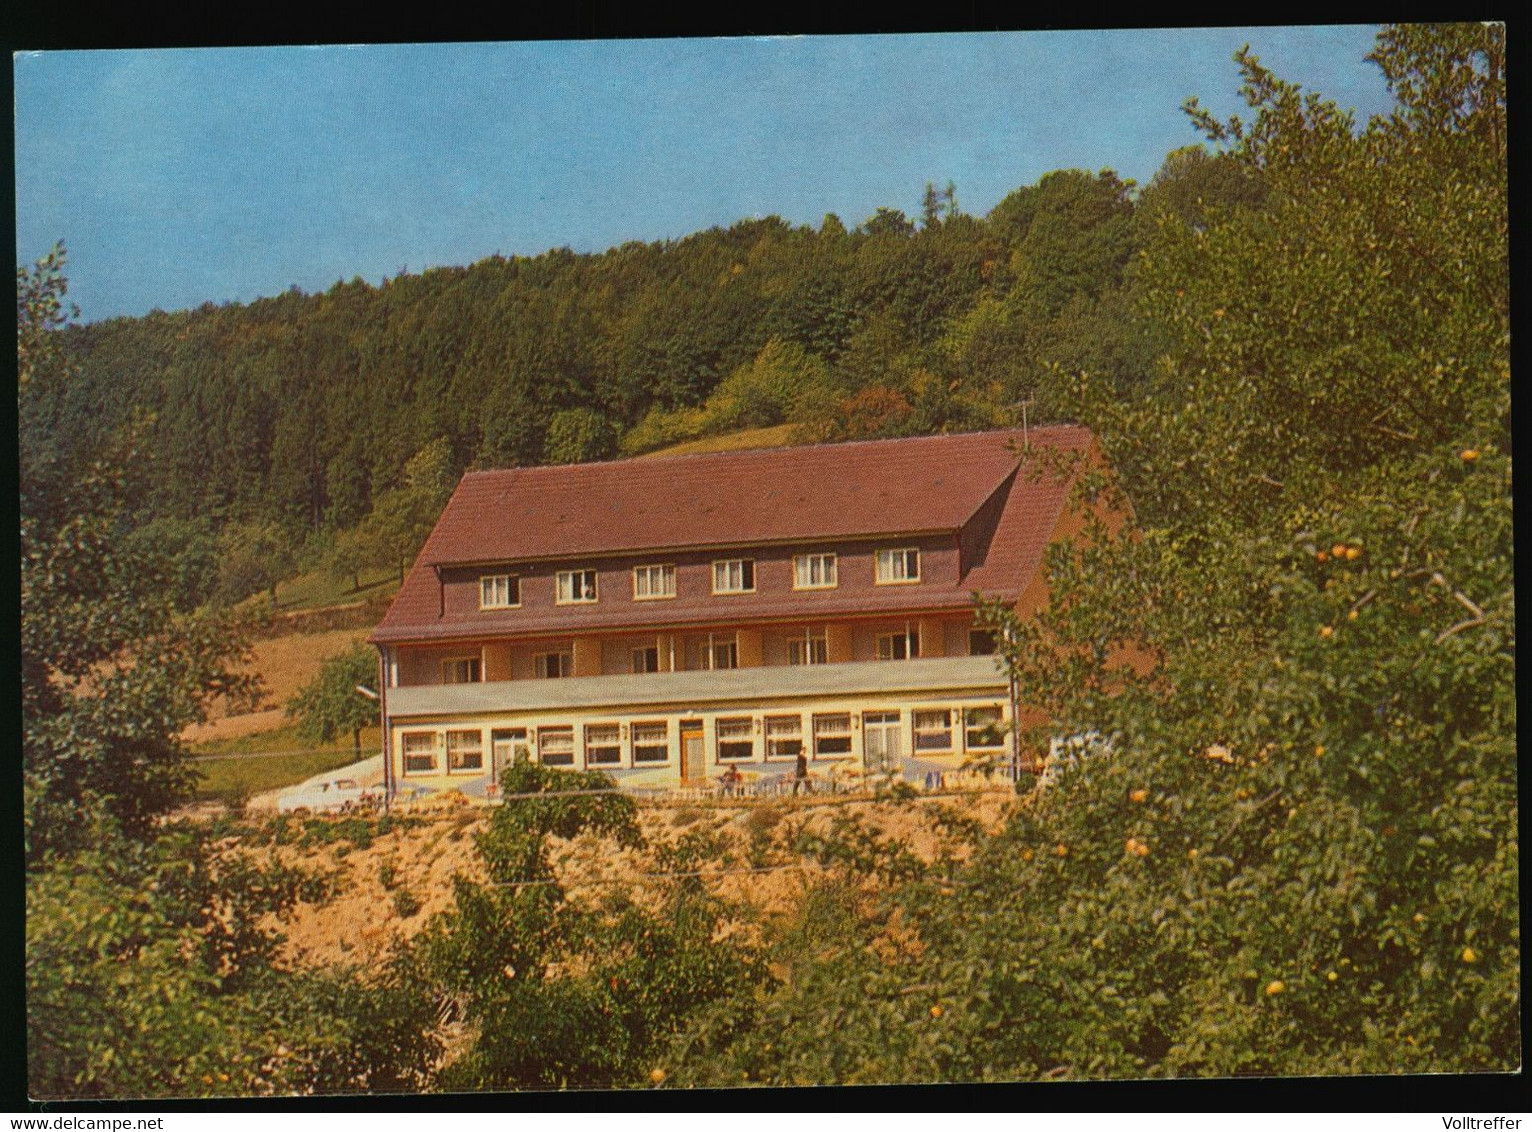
(734, 576)
(897, 567)
(499, 591)
(576, 587)
(650, 582)
(814, 572)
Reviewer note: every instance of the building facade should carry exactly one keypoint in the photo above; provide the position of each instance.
(665, 620)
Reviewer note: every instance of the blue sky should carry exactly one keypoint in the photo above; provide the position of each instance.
(182, 176)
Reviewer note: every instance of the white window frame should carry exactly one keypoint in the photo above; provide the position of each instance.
(895, 571)
(916, 729)
(726, 567)
(823, 727)
(503, 581)
(614, 745)
(651, 742)
(811, 648)
(742, 731)
(806, 566)
(644, 578)
(460, 751)
(544, 734)
(969, 727)
(564, 591)
(785, 734)
(642, 651)
(475, 669)
(565, 664)
(910, 637)
(405, 754)
(708, 649)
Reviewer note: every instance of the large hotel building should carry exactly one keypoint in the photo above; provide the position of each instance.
(665, 619)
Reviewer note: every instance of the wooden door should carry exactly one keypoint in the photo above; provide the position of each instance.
(881, 742)
(502, 749)
(693, 755)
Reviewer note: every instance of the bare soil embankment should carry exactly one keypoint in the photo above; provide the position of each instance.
(420, 856)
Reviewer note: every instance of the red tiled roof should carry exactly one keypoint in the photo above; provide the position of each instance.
(817, 492)
(813, 493)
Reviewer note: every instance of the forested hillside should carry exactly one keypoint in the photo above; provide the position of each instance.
(285, 421)
(1290, 848)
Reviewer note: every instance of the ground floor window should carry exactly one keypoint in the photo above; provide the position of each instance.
(651, 742)
(419, 752)
(465, 750)
(736, 739)
(981, 728)
(603, 745)
(555, 746)
(832, 735)
(933, 730)
(784, 736)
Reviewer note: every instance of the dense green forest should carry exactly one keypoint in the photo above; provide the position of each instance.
(280, 424)
(1295, 851)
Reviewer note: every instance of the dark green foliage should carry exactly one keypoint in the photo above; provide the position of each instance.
(299, 413)
(1298, 854)
(148, 975)
(187, 550)
(253, 557)
(112, 667)
(330, 705)
(562, 995)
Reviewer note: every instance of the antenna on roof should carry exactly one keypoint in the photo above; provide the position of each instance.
(1026, 436)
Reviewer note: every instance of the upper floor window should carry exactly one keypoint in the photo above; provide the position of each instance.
(901, 565)
(734, 576)
(814, 572)
(982, 642)
(499, 591)
(711, 652)
(811, 648)
(552, 665)
(653, 581)
(576, 587)
(646, 660)
(460, 670)
(898, 646)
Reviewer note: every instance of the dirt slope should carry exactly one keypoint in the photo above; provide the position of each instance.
(360, 924)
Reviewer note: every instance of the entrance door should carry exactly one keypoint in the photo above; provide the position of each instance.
(502, 749)
(881, 747)
(693, 756)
